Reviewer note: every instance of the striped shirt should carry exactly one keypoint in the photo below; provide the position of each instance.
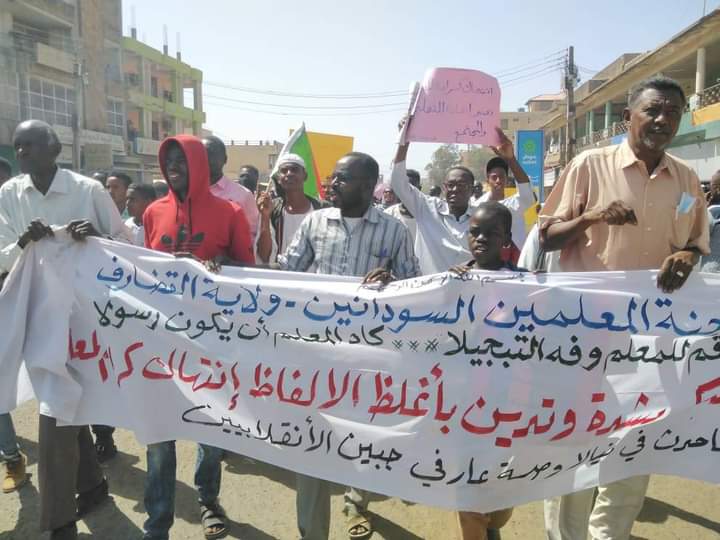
(378, 241)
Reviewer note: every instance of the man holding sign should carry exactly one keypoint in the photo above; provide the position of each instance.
(442, 225)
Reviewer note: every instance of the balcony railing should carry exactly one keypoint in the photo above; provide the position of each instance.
(27, 43)
(710, 96)
(59, 8)
(248, 142)
(597, 137)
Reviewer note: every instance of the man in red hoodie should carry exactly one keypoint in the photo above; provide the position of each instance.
(190, 221)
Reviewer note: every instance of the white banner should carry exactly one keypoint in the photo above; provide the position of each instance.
(476, 394)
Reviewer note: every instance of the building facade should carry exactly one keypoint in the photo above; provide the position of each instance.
(110, 98)
(164, 97)
(536, 113)
(60, 61)
(692, 57)
(260, 154)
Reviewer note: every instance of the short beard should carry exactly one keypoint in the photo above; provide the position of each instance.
(655, 147)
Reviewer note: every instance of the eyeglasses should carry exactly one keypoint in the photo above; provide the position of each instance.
(457, 186)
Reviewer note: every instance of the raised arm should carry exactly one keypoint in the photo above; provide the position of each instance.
(413, 199)
(264, 240)
(506, 151)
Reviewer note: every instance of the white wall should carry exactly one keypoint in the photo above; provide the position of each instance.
(703, 157)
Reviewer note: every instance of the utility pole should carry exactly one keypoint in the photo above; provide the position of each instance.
(570, 79)
(78, 115)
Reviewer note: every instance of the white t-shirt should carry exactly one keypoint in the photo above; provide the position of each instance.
(518, 204)
(136, 231)
(291, 223)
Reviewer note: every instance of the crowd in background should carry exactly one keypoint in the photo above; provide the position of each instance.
(630, 206)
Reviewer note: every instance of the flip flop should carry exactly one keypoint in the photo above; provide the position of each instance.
(212, 516)
(359, 527)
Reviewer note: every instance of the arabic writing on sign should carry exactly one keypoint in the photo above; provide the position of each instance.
(632, 315)
(309, 438)
(378, 393)
(456, 106)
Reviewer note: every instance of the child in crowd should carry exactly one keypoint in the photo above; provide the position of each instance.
(489, 235)
(490, 231)
(139, 197)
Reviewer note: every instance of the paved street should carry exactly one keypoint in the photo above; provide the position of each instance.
(261, 502)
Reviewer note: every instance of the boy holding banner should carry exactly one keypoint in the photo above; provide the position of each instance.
(490, 232)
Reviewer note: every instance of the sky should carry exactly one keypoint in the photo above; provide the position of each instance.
(362, 48)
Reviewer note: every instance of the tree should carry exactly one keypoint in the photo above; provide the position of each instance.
(443, 158)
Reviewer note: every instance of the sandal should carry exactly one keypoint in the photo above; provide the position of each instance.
(359, 527)
(212, 518)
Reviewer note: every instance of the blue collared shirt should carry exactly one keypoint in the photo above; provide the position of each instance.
(325, 240)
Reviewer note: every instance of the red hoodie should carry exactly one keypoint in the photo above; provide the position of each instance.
(202, 224)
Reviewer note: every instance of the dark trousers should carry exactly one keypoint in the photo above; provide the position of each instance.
(67, 465)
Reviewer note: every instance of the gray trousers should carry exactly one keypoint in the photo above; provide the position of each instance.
(67, 464)
(313, 506)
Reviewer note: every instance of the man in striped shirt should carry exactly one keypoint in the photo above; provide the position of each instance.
(352, 239)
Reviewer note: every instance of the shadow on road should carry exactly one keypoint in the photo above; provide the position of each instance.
(27, 518)
(128, 481)
(655, 511)
(241, 465)
(388, 529)
(30, 449)
(108, 521)
(246, 531)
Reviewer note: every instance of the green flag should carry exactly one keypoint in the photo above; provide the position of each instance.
(299, 144)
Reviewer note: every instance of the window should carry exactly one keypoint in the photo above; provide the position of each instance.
(49, 101)
(153, 86)
(113, 71)
(504, 123)
(25, 37)
(9, 103)
(115, 120)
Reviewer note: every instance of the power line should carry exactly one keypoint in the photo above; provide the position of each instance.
(587, 70)
(320, 107)
(554, 60)
(392, 93)
(309, 114)
(532, 78)
(526, 66)
(502, 72)
(547, 69)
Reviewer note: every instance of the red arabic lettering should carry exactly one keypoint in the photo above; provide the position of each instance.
(707, 387)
